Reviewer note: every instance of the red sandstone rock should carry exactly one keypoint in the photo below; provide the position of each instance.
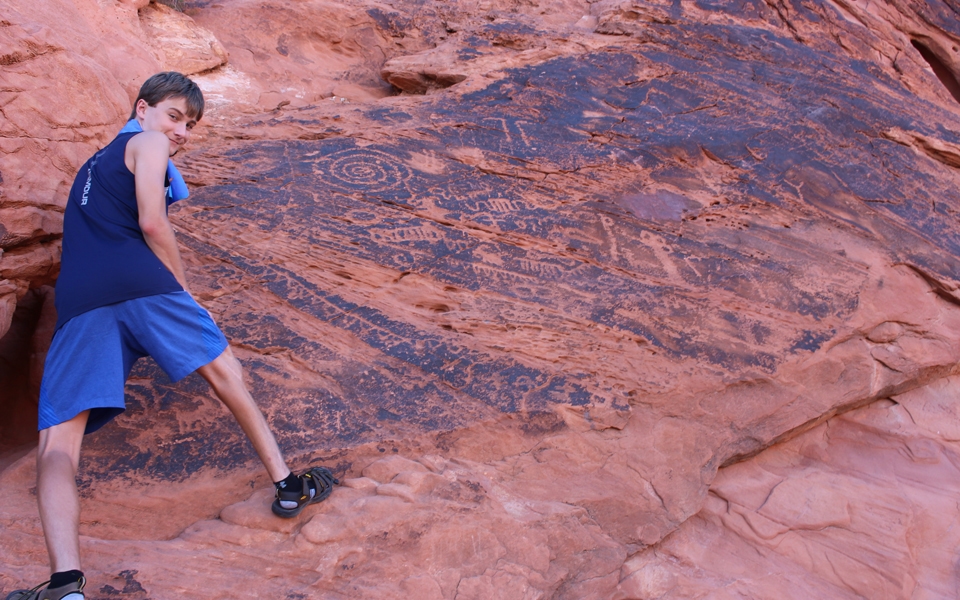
(579, 324)
(22, 353)
(8, 301)
(845, 510)
(183, 45)
(69, 71)
(304, 53)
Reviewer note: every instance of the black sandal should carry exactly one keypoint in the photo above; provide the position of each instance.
(41, 591)
(318, 478)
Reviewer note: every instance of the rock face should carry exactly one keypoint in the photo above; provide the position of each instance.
(183, 45)
(68, 72)
(845, 510)
(616, 299)
(297, 54)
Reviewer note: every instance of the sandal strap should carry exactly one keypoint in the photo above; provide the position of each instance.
(66, 590)
(319, 478)
(323, 479)
(43, 591)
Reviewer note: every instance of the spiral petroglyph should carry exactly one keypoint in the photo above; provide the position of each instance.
(363, 170)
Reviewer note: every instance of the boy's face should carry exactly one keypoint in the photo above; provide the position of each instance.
(169, 117)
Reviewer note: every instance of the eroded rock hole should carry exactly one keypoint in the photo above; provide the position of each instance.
(22, 352)
(943, 72)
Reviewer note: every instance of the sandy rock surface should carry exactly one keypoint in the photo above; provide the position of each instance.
(579, 299)
(846, 510)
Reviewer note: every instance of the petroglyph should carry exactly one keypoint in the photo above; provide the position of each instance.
(600, 265)
(362, 170)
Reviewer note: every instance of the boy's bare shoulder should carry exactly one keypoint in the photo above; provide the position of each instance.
(148, 139)
(147, 148)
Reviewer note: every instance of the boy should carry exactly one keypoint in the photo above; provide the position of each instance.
(122, 294)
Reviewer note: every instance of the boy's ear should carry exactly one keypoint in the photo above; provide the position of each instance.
(141, 107)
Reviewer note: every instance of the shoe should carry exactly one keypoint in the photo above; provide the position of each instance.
(319, 479)
(71, 591)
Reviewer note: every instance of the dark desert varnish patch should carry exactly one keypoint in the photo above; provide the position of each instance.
(943, 72)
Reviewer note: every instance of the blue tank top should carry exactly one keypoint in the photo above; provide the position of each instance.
(105, 259)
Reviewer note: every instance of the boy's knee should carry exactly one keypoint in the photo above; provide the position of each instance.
(59, 447)
(56, 454)
(222, 368)
(64, 438)
(233, 362)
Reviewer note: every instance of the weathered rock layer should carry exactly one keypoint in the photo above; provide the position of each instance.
(541, 308)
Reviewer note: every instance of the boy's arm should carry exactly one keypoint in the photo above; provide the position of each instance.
(149, 153)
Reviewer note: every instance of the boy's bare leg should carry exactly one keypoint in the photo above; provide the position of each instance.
(58, 458)
(226, 378)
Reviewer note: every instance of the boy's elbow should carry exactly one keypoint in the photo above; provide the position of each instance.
(147, 228)
(151, 227)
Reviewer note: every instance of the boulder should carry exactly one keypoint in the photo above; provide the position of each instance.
(183, 45)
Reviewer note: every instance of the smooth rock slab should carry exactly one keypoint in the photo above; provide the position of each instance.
(846, 510)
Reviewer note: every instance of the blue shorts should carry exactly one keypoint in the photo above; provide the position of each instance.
(92, 354)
